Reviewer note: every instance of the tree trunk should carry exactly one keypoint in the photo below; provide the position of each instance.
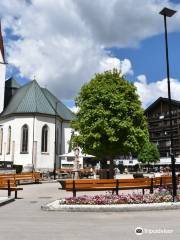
(111, 169)
(148, 167)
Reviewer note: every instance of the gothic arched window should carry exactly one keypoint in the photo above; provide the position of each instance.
(1, 140)
(44, 139)
(9, 141)
(24, 139)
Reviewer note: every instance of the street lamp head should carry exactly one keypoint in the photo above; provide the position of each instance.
(167, 12)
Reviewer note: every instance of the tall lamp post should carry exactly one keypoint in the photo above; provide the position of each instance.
(55, 141)
(166, 12)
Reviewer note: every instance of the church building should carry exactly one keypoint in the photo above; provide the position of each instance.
(34, 124)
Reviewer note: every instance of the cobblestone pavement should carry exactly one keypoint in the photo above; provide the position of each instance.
(23, 219)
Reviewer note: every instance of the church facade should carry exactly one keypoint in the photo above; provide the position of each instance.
(34, 124)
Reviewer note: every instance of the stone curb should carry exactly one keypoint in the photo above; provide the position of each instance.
(49, 181)
(55, 206)
(6, 200)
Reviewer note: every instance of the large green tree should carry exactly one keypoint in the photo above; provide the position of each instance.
(149, 153)
(110, 120)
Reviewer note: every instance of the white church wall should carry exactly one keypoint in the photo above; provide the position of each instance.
(4, 125)
(22, 158)
(2, 82)
(15, 154)
(34, 156)
(67, 131)
(45, 160)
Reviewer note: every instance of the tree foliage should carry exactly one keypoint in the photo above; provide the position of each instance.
(149, 153)
(110, 120)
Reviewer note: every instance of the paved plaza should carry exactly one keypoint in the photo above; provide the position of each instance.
(23, 219)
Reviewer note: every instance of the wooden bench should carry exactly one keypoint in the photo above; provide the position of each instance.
(115, 185)
(136, 183)
(106, 185)
(7, 176)
(34, 177)
(9, 185)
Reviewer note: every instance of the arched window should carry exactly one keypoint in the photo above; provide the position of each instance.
(44, 139)
(24, 139)
(1, 140)
(9, 141)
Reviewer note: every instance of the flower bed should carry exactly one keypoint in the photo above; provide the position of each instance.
(159, 196)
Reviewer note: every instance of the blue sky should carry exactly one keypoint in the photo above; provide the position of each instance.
(64, 51)
(149, 58)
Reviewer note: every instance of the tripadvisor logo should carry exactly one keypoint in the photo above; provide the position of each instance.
(139, 231)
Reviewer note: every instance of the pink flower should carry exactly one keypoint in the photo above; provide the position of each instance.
(160, 195)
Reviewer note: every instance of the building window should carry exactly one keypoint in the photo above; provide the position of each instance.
(44, 139)
(120, 162)
(1, 140)
(24, 139)
(9, 141)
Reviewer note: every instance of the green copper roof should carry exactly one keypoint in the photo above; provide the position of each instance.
(31, 98)
(62, 110)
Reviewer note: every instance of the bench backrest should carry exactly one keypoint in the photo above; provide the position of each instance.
(107, 183)
(22, 176)
(90, 183)
(137, 182)
(157, 181)
(28, 176)
(7, 176)
(37, 175)
(120, 183)
(5, 182)
(166, 180)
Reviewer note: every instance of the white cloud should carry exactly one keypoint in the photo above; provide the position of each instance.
(126, 67)
(108, 63)
(141, 78)
(64, 42)
(149, 92)
(125, 23)
(74, 109)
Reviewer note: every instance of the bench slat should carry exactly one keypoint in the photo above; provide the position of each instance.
(91, 181)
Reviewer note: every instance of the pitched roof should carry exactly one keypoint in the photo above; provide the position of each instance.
(162, 99)
(62, 110)
(2, 44)
(31, 98)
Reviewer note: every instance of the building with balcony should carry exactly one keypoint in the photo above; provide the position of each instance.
(159, 126)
